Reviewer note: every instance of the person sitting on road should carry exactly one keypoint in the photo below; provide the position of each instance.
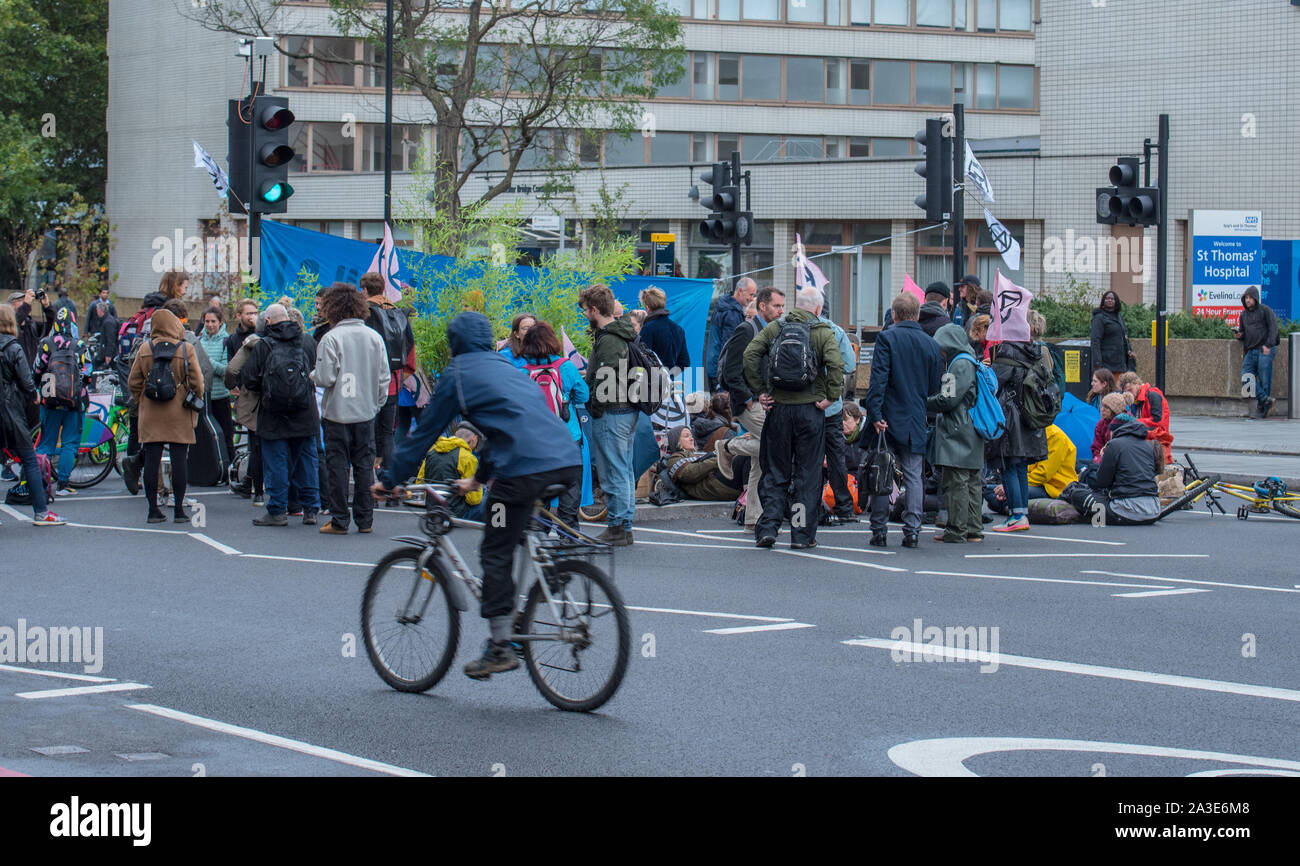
(1047, 478)
(1152, 409)
(696, 472)
(857, 437)
(450, 459)
(1125, 489)
(1111, 405)
(530, 449)
(713, 422)
(1103, 383)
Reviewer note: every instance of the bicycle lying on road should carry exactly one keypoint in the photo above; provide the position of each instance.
(1270, 494)
(570, 624)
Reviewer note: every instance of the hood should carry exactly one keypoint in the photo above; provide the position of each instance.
(1250, 292)
(675, 438)
(286, 331)
(930, 309)
(1127, 425)
(65, 323)
(152, 300)
(165, 326)
(952, 341)
(1026, 352)
(221, 334)
(470, 332)
(730, 301)
(657, 314)
(622, 328)
(450, 443)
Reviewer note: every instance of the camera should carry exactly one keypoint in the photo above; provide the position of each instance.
(193, 402)
(39, 294)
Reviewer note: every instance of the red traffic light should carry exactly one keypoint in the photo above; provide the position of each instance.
(275, 117)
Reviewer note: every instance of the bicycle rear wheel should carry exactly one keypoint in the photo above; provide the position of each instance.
(410, 627)
(1287, 507)
(1198, 488)
(96, 455)
(581, 674)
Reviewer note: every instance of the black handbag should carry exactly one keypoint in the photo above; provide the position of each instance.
(876, 475)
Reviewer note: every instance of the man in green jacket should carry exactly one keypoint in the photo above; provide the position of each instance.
(778, 363)
(955, 447)
(613, 417)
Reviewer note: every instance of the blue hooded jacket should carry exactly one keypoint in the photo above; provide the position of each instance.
(523, 436)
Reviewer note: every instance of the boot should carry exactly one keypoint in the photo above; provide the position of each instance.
(725, 459)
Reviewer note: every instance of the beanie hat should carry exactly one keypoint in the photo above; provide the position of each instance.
(675, 437)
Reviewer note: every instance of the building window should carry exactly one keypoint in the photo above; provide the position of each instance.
(835, 90)
(760, 148)
(331, 150)
(728, 144)
(728, 10)
(893, 13)
(1015, 14)
(803, 79)
(804, 147)
(333, 61)
(891, 146)
(762, 77)
(764, 10)
(669, 148)
(624, 149)
(701, 147)
(858, 147)
(934, 84)
(934, 13)
(297, 70)
(859, 82)
(702, 80)
(1015, 87)
(805, 11)
(679, 89)
(986, 86)
(406, 146)
(728, 77)
(681, 7)
(372, 231)
(893, 84)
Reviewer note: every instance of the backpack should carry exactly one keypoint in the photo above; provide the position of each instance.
(392, 327)
(160, 384)
(1040, 397)
(130, 335)
(989, 419)
(550, 380)
(20, 494)
(726, 353)
(793, 364)
(59, 384)
(286, 382)
(649, 384)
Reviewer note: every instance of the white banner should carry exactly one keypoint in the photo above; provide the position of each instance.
(202, 159)
(975, 175)
(1002, 239)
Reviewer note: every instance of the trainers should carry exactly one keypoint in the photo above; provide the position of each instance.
(328, 528)
(64, 490)
(765, 541)
(879, 539)
(7, 474)
(272, 520)
(1014, 524)
(497, 658)
(725, 459)
(131, 473)
(309, 518)
(49, 518)
(259, 501)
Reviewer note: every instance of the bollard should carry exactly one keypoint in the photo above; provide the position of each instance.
(1293, 371)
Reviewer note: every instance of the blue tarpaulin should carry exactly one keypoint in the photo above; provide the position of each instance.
(1077, 420)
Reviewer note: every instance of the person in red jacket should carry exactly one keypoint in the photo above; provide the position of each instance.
(1152, 409)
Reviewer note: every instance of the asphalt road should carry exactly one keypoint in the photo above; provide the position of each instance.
(1167, 650)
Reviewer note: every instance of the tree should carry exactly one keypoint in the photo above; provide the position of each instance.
(510, 87)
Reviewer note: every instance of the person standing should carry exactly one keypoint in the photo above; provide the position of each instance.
(613, 418)
(213, 339)
(288, 424)
(566, 395)
(934, 312)
(957, 449)
(394, 326)
(61, 365)
(247, 404)
(661, 334)
(103, 301)
(513, 348)
(729, 313)
(352, 367)
(906, 368)
(17, 392)
(30, 331)
(1257, 330)
(836, 445)
(245, 325)
(796, 363)
(966, 300)
(1110, 344)
(1023, 443)
(162, 389)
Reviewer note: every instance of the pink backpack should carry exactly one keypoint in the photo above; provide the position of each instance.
(549, 378)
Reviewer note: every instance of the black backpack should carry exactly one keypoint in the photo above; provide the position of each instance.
(793, 364)
(286, 382)
(392, 325)
(648, 381)
(731, 345)
(62, 375)
(160, 384)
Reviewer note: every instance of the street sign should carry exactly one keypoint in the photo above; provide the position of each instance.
(665, 252)
(547, 223)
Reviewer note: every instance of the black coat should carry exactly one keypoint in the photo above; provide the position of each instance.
(734, 376)
(906, 367)
(304, 422)
(1021, 443)
(17, 392)
(1128, 468)
(30, 330)
(1110, 343)
(933, 317)
(1258, 326)
(666, 339)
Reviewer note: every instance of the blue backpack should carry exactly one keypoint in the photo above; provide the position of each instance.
(987, 415)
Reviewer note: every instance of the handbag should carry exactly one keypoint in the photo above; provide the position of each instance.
(876, 475)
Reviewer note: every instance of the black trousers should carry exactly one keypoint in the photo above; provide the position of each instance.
(791, 452)
(508, 507)
(384, 425)
(836, 475)
(350, 446)
(153, 452)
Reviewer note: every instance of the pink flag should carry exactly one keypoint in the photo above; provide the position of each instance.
(806, 274)
(571, 352)
(1010, 311)
(909, 285)
(385, 264)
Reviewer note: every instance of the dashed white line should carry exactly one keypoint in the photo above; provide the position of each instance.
(1198, 582)
(81, 690)
(85, 678)
(1087, 555)
(1154, 592)
(1039, 579)
(745, 629)
(213, 543)
(307, 560)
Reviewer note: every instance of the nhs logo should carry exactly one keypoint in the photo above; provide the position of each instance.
(1252, 220)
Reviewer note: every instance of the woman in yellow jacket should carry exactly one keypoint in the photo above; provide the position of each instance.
(1047, 478)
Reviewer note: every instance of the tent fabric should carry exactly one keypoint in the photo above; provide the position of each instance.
(1077, 420)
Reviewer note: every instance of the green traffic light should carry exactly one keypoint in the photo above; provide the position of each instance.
(274, 192)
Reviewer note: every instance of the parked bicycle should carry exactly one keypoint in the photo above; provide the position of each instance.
(570, 624)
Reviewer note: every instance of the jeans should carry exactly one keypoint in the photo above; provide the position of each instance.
(26, 455)
(350, 446)
(285, 458)
(1257, 368)
(913, 497)
(61, 426)
(1015, 482)
(792, 449)
(611, 438)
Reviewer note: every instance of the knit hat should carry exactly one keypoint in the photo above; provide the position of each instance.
(938, 288)
(675, 437)
(697, 402)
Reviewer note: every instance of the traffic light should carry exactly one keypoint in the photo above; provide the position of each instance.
(260, 154)
(725, 223)
(937, 171)
(1126, 202)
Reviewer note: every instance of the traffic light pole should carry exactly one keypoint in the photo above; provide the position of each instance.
(958, 195)
(735, 247)
(250, 208)
(388, 117)
(1162, 233)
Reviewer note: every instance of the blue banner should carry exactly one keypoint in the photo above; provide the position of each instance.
(1279, 286)
(287, 250)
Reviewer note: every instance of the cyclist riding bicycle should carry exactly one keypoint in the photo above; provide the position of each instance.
(528, 448)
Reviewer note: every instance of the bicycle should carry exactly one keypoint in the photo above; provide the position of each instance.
(96, 453)
(565, 599)
(1270, 494)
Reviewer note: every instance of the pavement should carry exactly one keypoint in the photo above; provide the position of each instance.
(1242, 450)
(229, 650)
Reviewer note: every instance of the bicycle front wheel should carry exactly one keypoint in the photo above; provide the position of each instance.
(582, 671)
(1287, 506)
(96, 455)
(410, 627)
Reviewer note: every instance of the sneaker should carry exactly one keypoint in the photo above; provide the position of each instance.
(157, 517)
(974, 539)
(803, 545)
(7, 474)
(259, 501)
(725, 459)
(497, 658)
(131, 474)
(765, 541)
(49, 518)
(272, 520)
(1014, 524)
(309, 518)
(1266, 408)
(328, 528)
(64, 490)
(910, 539)
(365, 529)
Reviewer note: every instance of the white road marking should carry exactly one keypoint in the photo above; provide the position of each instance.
(1087, 555)
(745, 629)
(16, 515)
(838, 559)
(1154, 592)
(309, 561)
(684, 544)
(1199, 582)
(1039, 579)
(1025, 535)
(213, 543)
(85, 678)
(693, 535)
(188, 494)
(128, 528)
(274, 740)
(710, 613)
(947, 756)
(1228, 508)
(1182, 682)
(81, 690)
(873, 551)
